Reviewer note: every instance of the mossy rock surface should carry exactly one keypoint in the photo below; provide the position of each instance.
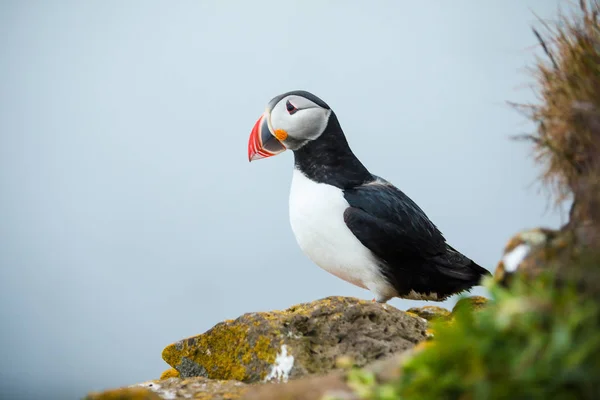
(473, 302)
(169, 373)
(304, 339)
(315, 387)
(430, 312)
(534, 251)
(129, 393)
(336, 385)
(197, 388)
(526, 251)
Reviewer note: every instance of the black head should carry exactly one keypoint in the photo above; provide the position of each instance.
(302, 122)
(290, 121)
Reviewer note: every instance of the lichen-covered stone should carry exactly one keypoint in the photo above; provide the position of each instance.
(531, 253)
(129, 393)
(390, 368)
(430, 312)
(304, 339)
(423, 345)
(315, 387)
(336, 385)
(474, 302)
(169, 373)
(526, 251)
(197, 388)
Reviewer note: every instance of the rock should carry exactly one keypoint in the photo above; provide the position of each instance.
(430, 312)
(307, 388)
(475, 302)
(304, 339)
(313, 387)
(197, 388)
(335, 385)
(390, 368)
(527, 250)
(169, 373)
(131, 393)
(531, 253)
(423, 345)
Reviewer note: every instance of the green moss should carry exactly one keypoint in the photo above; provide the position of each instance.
(474, 302)
(538, 336)
(535, 340)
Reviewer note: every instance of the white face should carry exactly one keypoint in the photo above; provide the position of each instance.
(297, 119)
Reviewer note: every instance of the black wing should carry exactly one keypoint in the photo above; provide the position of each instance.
(414, 252)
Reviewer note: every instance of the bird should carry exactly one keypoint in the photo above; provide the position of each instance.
(352, 223)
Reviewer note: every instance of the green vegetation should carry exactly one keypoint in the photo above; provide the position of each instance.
(535, 340)
(539, 336)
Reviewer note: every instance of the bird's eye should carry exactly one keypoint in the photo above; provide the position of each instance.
(290, 108)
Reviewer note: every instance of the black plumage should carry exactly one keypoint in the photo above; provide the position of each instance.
(412, 252)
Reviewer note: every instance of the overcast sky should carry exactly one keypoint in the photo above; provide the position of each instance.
(130, 216)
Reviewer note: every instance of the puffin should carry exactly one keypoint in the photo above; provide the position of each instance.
(350, 222)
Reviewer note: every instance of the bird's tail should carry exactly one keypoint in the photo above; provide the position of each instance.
(464, 269)
(479, 271)
(470, 273)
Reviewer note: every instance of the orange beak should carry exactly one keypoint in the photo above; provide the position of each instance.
(262, 143)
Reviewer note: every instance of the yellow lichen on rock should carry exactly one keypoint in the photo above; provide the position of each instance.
(220, 353)
(344, 362)
(304, 339)
(132, 393)
(474, 302)
(198, 388)
(423, 345)
(170, 373)
(430, 312)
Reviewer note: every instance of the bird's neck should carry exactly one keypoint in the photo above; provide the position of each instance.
(330, 160)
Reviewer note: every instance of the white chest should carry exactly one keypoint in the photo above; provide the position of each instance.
(317, 220)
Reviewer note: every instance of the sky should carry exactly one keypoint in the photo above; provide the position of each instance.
(131, 217)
